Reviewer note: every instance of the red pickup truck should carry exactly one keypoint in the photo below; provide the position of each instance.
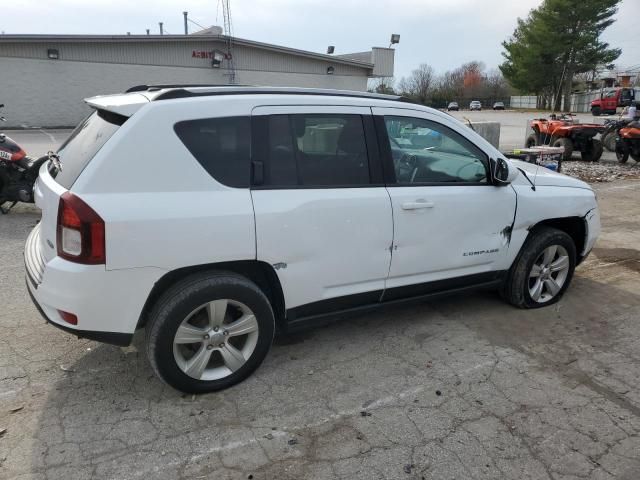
(611, 99)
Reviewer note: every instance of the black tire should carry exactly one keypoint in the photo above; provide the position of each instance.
(515, 289)
(566, 144)
(595, 111)
(188, 295)
(635, 156)
(531, 141)
(594, 153)
(609, 141)
(622, 153)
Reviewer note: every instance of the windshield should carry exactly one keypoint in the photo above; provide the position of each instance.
(83, 143)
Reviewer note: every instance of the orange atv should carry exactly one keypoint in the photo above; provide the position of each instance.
(563, 131)
(628, 142)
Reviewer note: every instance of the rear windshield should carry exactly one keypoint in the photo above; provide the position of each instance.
(84, 142)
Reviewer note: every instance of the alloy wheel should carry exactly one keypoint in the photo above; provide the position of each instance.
(215, 340)
(549, 273)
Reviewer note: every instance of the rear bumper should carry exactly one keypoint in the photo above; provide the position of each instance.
(107, 303)
(114, 338)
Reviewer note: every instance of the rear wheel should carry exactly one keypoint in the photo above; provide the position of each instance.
(636, 156)
(594, 152)
(566, 144)
(543, 270)
(209, 332)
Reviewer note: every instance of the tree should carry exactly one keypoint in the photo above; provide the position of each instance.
(558, 40)
(382, 85)
(495, 85)
(419, 84)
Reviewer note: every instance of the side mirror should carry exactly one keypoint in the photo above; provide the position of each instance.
(502, 172)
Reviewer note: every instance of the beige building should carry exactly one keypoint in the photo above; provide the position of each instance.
(45, 77)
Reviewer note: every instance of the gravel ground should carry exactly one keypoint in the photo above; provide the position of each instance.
(604, 171)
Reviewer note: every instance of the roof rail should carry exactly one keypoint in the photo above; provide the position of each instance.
(144, 88)
(184, 91)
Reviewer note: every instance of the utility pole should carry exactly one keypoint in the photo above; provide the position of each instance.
(231, 69)
(161, 30)
(186, 29)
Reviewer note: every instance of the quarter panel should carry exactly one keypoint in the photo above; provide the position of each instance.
(176, 229)
(160, 207)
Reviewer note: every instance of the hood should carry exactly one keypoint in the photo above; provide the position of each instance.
(544, 177)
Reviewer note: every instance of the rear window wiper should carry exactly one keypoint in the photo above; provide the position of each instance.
(55, 160)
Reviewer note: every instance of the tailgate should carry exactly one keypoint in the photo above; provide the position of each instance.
(47, 197)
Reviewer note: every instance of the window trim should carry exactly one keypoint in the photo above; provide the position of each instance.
(384, 145)
(260, 148)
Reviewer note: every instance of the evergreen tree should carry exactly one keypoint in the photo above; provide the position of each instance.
(557, 40)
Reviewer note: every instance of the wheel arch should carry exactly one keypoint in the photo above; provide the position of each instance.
(261, 273)
(575, 227)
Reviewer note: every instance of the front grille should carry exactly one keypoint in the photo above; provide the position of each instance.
(33, 259)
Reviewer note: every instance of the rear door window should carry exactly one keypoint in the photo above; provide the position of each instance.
(317, 150)
(221, 145)
(84, 142)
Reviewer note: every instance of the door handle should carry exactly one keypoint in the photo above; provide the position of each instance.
(418, 204)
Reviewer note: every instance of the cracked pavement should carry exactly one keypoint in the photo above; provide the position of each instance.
(465, 387)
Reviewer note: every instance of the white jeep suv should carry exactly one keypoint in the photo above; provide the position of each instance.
(216, 216)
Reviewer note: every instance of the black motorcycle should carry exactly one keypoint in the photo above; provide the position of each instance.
(18, 173)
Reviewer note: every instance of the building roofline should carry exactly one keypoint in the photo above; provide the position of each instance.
(37, 38)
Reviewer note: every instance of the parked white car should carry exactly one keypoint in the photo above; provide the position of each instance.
(215, 216)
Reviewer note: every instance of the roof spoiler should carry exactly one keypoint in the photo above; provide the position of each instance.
(124, 105)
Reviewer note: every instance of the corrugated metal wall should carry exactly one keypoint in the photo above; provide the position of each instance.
(48, 93)
(383, 59)
(175, 54)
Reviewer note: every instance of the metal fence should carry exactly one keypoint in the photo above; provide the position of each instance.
(580, 102)
(524, 101)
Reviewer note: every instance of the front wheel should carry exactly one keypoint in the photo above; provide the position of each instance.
(209, 332)
(595, 111)
(531, 141)
(622, 153)
(543, 270)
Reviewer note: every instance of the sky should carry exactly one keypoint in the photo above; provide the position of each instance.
(442, 33)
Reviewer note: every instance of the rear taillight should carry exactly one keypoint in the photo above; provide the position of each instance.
(80, 233)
